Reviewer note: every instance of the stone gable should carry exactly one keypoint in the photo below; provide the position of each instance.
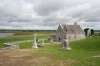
(71, 32)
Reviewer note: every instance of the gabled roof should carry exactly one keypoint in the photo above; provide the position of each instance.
(72, 29)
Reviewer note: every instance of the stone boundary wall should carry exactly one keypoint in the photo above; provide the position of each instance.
(14, 45)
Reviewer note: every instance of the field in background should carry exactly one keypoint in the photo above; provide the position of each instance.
(28, 32)
(84, 53)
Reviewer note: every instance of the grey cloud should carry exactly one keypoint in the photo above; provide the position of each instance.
(47, 7)
(16, 8)
(47, 13)
(92, 16)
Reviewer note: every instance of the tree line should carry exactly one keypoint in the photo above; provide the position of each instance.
(91, 31)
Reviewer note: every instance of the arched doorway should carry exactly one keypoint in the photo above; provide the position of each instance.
(59, 39)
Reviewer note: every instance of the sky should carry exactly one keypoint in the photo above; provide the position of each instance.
(48, 14)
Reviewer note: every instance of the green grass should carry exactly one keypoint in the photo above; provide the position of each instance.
(89, 44)
(82, 50)
(21, 38)
(26, 45)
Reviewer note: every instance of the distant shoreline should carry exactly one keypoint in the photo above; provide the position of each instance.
(2, 35)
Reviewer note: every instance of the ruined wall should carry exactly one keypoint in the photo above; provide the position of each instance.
(60, 34)
(53, 37)
(71, 34)
(75, 37)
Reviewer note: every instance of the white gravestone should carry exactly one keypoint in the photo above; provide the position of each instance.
(65, 44)
(51, 42)
(35, 43)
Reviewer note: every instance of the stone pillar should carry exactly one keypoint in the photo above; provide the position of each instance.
(51, 42)
(35, 43)
(68, 47)
(65, 44)
(18, 46)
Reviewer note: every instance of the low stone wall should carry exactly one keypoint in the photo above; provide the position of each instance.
(96, 34)
(53, 37)
(14, 45)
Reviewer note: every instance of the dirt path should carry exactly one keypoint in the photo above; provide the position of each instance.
(27, 57)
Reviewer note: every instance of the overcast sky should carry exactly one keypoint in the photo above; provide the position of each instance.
(48, 14)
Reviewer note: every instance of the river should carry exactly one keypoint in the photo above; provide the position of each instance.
(6, 34)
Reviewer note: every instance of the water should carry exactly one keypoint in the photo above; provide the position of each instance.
(5, 34)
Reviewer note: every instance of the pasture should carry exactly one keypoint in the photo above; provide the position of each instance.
(84, 53)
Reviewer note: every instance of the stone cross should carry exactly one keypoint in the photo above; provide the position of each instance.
(65, 44)
(51, 42)
(35, 43)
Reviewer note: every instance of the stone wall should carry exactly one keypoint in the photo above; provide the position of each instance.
(70, 37)
(69, 32)
(60, 36)
(97, 34)
(53, 37)
(75, 37)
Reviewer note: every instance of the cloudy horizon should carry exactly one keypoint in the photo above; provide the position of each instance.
(48, 14)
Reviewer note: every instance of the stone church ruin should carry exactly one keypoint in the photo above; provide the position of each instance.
(70, 32)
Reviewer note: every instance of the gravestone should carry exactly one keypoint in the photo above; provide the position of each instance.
(34, 43)
(65, 44)
(51, 42)
(18, 46)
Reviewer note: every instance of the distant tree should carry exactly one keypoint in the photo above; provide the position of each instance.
(92, 32)
(86, 30)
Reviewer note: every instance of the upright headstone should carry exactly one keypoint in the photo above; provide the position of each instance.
(18, 46)
(34, 43)
(62, 44)
(65, 44)
(68, 47)
(51, 42)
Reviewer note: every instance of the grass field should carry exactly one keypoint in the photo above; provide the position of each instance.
(84, 53)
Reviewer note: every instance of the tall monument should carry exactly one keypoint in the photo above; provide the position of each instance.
(34, 43)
